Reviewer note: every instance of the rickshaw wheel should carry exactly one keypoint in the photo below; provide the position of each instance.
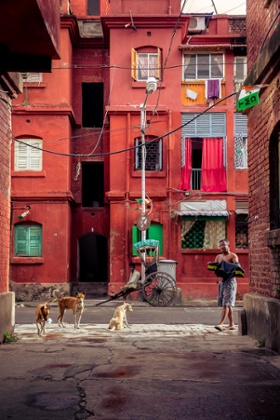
(159, 289)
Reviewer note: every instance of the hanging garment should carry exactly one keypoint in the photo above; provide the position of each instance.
(212, 89)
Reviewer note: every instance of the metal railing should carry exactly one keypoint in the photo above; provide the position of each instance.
(196, 178)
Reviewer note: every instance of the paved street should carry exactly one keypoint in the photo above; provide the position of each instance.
(153, 370)
(142, 313)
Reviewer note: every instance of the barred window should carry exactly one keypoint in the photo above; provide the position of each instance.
(241, 231)
(153, 154)
(202, 232)
(240, 156)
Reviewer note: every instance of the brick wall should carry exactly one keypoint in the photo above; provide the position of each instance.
(5, 150)
(264, 126)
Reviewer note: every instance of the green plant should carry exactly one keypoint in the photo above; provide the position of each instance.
(19, 299)
(9, 338)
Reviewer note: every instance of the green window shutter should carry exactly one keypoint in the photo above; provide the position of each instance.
(135, 238)
(155, 232)
(35, 241)
(28, 240)
(21, 244)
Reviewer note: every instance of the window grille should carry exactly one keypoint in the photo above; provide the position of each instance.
(153, 155)
(202, 232)
(241, 231)
(240, 141)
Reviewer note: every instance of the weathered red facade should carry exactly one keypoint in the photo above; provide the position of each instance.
(88, 237)
(262, 305)
(19, 23)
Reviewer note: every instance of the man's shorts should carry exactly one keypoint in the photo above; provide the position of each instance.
(227, 292)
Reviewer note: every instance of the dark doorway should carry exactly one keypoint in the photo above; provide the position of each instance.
(92, 105)
(92, 184)
(93, 258)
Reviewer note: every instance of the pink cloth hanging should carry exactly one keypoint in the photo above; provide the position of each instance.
(213, 172)
(213, 89)
(186, 171)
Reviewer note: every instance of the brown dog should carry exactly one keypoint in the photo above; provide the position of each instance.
(119, 319)
(42, 316)
(69, 302)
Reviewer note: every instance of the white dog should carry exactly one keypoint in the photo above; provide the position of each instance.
(119, 319)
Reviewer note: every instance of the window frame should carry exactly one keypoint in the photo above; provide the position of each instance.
(138, 153)
(23, 151)
(196, 66)
(32, 77)
(28, 242)
(135, 69)
(197, 219)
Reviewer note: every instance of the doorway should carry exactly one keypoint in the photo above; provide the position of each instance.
(93, 258)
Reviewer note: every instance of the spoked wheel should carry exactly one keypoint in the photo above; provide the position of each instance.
(159, 289)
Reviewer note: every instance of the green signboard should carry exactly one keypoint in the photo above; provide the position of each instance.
(251, 99)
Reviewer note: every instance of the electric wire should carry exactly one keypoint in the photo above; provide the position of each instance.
(132, 147)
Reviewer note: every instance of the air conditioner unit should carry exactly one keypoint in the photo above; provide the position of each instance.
(197, 24)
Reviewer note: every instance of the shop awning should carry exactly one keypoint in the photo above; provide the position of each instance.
(204, 213)
(210, 208)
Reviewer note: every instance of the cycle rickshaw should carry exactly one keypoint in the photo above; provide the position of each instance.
(158, 288)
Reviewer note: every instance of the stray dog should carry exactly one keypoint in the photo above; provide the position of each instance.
(42, 316)
(119, 319)
(68, 302)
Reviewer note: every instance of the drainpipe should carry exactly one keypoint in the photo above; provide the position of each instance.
(169, 180)
(127, 206)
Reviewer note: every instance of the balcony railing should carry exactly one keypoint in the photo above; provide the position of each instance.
(195, 178)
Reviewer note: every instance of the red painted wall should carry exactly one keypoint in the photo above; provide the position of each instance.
(5, 148)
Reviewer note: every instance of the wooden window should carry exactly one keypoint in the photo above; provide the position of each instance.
(145, 64)
(32, 77)
(28, 155)
(28, 240)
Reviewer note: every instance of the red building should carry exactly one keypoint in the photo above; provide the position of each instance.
(36, 20)
(76, 158)
(262, 304)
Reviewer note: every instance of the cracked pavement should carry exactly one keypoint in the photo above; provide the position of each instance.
(151, 371)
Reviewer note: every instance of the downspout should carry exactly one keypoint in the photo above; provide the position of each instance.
(127, 207)
(169, 181)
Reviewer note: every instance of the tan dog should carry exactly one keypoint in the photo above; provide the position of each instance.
(69, 302)
(119, 319)
(42, 315)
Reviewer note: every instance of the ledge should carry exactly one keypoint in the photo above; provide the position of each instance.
(27, 260)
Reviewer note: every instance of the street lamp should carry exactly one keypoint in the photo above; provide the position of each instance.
(151, 87)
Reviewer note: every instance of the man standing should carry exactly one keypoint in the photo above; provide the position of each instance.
(227, 287)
